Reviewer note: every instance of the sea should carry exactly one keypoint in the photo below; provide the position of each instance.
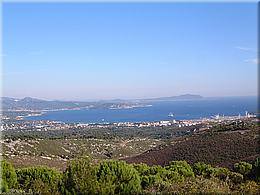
(158, 111)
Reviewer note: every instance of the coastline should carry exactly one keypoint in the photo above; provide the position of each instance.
(172, 120)
(166, 111)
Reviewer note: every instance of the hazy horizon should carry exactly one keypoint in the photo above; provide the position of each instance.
(137, 98)
(102, 51)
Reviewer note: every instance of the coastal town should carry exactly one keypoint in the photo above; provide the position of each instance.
(19, 123)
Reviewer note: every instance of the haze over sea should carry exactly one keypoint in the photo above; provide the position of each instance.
(160, 110)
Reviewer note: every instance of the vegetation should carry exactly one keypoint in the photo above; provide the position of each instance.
(150, 145)
(243, 167)
(118, 177)
(101, 133)
(82, 176)
(234, 126)
(8, 176)
(222, 149)
(213, 161)
(38, 179)
(56, 153)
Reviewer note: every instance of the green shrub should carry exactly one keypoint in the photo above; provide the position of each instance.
(8, 176)
(203, 169)
(156, 169)
(39, 180)
(118, 177)
(236, 178)
(80, 177)
(250, 187)
(171, 176)
(221, 173)
(144, 172)
(143, 169)
(243, 168)
(199, 185)
(151, 181)
(181, 167)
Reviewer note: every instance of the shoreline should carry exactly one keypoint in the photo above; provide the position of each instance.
(195, 120)
(101, 119)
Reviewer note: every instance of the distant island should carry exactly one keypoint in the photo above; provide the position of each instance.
(29, 103)
(179, 97)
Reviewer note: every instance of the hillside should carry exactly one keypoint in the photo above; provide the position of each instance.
(29, 103)
(219, 149)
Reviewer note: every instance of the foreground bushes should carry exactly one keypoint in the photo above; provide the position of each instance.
(243, 168)
(118, 177)
(80, 176)
(8, 177)
(38, 180)
(108, 177)
(200, 185)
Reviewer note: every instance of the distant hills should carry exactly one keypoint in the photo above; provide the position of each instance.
(179, 97)
(29, 103)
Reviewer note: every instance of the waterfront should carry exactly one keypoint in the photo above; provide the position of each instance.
(159, 111)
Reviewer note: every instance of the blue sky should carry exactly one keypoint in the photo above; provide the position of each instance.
(83, 51)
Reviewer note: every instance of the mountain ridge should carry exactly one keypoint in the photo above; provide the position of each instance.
(29, 103)
(178, 97)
